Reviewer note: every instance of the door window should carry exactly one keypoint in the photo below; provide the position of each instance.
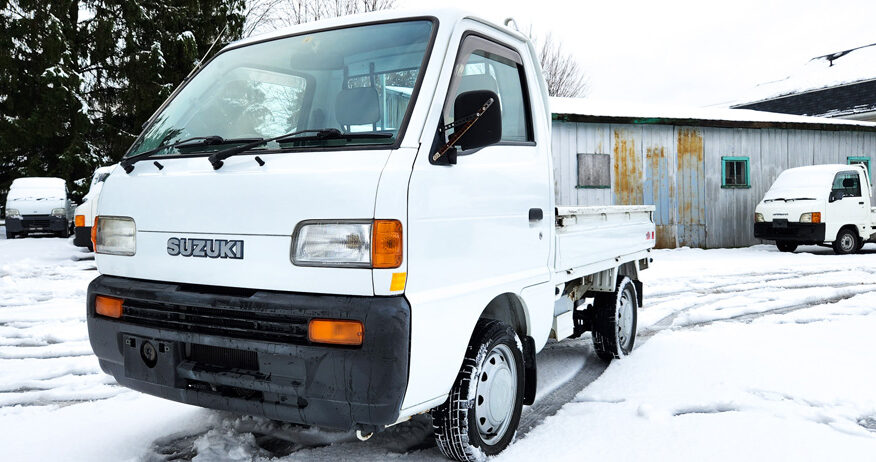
(848, 183)
(485, 65)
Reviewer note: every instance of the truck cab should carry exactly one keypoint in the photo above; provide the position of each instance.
(822, 205)
(351, 222)
(38, 205)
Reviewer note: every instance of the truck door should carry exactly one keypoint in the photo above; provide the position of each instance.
(480, 228)
(849, 207)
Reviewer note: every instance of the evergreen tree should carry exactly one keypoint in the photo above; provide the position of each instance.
(140, 52)
(43, 116)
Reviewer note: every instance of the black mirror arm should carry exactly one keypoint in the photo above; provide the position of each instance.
(468, 122)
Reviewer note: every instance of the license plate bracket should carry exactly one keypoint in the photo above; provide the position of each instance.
(151, 360)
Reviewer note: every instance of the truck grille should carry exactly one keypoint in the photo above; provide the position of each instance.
(35, 221)
(224, 358)
(227, 321)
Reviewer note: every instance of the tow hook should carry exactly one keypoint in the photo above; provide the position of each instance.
(364, 436)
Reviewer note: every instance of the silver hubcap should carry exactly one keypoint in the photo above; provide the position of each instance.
(625, 312)
(847, 242)
(496, 391)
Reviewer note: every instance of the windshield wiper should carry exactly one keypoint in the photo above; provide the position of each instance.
(319, 134)
(128, 164)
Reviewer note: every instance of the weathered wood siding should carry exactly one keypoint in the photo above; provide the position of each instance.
(678, 169)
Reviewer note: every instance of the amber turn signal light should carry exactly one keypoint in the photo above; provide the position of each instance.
(386, 244)
(816, 217)
(108, 306)
(336, 332)
(94, 234)
(79, 221)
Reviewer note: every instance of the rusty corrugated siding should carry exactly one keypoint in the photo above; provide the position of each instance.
(691, 188)
(627, 177)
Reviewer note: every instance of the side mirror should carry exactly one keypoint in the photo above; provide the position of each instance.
(835, 195)
(487, 129)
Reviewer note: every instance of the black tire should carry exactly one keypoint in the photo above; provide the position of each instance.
(860, 245)
(460, 421)
(10, 235)
(846, 242)
(785, 246)
(612, 337)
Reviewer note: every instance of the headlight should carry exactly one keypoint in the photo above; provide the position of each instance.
(758, 217)
(60, 213)
(115, 236)
(810, 217)
(360, 244)
(332, 244)
(12, 213)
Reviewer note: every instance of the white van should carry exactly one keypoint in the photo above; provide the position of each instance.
(38, 205)
(820, 204)
(84, 217)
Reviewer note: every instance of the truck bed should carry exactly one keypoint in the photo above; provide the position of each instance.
(592, 239)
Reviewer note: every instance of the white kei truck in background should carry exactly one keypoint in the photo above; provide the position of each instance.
(85, 213)
(351, 222)
(818, 205)
(38, 205)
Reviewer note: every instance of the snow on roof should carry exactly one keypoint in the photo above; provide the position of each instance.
(674, 114)
(38, 183)
(832, 70)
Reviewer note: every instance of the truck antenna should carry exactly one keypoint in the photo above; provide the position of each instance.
(511, 21)
(201, 61)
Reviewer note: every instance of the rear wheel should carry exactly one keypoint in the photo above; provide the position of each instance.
(846, 242)
(10, 235)
(785, 246)
(481, 415)
(614, 321)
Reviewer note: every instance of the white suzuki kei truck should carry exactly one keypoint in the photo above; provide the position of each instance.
(351, 222)
(85, 212)
(818, 205)
(38, 205)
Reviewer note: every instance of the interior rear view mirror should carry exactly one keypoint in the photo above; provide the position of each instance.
(848, 183)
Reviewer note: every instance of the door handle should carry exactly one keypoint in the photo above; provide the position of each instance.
(860, 203)
(536, 214)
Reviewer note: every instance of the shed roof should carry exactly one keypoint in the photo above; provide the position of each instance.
(583, 110)
(810, 88)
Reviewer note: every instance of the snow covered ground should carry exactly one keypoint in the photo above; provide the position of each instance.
(743, 354)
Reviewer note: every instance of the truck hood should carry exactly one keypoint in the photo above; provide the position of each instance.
(35, 206)
(260, 205)
(788, 210)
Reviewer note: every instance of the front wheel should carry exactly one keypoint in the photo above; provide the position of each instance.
(785, 246)
(481, 415)
(846, 242)
(614, 321)
(10, 235)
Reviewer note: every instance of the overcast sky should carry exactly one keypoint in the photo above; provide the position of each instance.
(686, 52)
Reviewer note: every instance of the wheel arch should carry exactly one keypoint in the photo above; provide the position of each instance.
(510, 309)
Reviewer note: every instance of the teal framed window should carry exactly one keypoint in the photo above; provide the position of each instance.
(861, 160)
(735, 172)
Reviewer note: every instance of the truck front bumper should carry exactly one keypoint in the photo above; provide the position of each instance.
(801, 233)
(248, 351)
(82, 236)
(36, 223)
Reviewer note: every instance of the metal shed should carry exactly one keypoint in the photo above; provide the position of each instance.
(705, 170)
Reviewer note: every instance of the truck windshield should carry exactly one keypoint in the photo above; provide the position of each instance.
(359, 80)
